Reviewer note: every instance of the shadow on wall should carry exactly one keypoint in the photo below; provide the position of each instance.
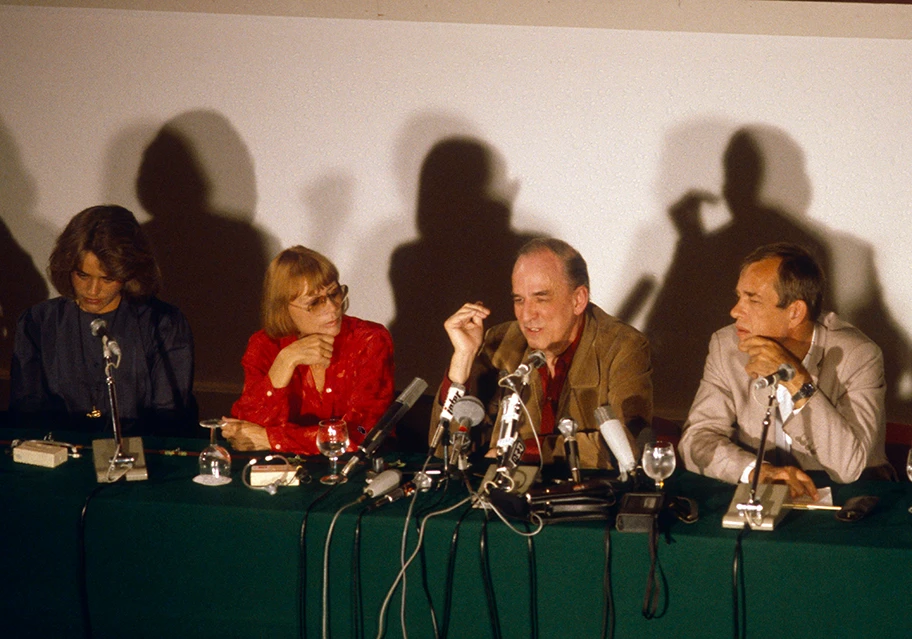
(197, 182)
(21, 282)
(464, 253)
(767, 194)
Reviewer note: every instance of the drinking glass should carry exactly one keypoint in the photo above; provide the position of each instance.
(909, 469)
(214, 461)
(332, 440)
(659, 462)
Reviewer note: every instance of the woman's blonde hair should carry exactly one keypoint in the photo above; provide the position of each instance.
(293, 271)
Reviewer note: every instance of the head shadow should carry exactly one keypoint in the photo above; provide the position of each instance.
(21, 282)
(765, 192)
(196, 181)
(464, 253)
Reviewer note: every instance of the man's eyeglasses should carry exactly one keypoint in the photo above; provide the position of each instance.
(315, 304)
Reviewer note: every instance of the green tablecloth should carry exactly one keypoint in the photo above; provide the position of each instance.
(170, 558)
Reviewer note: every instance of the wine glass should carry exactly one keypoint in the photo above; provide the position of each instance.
(214, 461)
(332, 440)
(659, 462)
(909, 469)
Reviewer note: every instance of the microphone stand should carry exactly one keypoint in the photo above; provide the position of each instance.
(760, 509)
(118, 457)
(509, 475)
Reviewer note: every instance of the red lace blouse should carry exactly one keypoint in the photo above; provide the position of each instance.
(358, 387)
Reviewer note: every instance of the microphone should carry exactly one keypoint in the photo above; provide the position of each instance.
(785, 373)
(383, 483)
(508, 431)
(405, 490)
(385, 424)
(615, 436)
(568, 428)
(99, 328)
(454, 394)
(468, 412)
(535, 359)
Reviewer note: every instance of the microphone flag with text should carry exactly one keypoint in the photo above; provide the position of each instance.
(454, 394)
(386, 423)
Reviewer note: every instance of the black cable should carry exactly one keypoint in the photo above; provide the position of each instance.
(83, 571)
(533, 584)
(653, 589)
(451, 568)
(487, 580)
(608, 610)
(302, 565)
(357, 619)
(739, 621)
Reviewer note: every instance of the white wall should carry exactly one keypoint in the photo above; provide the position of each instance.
(313, 131)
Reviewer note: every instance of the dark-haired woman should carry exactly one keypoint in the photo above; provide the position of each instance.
(103, 267)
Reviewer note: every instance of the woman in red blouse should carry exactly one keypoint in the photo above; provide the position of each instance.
(310, 361)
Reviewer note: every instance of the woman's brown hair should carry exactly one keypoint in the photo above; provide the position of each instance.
(115, 237)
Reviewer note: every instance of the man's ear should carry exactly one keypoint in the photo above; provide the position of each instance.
(580, 300)
(798, 312)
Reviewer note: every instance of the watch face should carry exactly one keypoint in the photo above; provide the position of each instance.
(805, 391)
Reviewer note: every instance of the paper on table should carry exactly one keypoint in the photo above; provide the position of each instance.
(824, 501)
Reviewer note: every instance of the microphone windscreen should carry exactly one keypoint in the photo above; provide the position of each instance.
(567, 428)
(468, 411)
(412, 392)
(615, 436)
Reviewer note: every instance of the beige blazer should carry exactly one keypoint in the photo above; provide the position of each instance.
(840, 429)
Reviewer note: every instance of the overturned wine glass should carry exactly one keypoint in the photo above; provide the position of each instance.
(214, 461)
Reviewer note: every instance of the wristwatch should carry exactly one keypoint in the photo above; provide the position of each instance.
(807, 389)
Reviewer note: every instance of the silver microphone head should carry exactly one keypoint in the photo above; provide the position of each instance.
(98, 327)
(468, 411)
(786, 372)
(568, 428)
(536, 359)
(412, 392)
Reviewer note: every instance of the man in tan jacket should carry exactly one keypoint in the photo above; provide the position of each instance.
(592, 358)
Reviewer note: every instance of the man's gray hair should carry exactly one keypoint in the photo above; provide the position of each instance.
(574, 264)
